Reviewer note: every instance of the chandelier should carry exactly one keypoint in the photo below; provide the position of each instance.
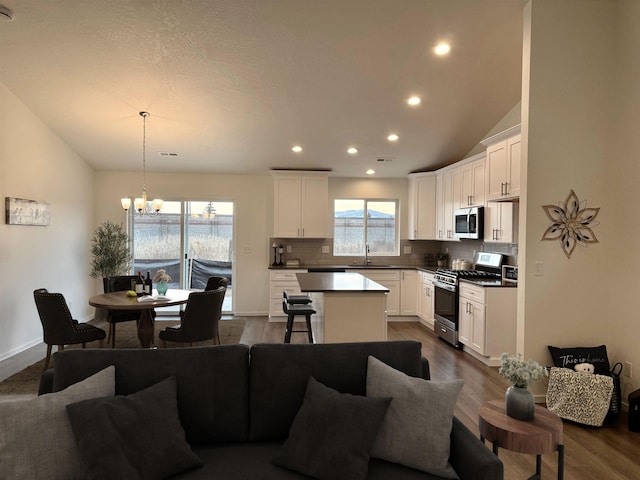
(141, 205)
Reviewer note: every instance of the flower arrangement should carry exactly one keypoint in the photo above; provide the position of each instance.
(521, 373)
(161, 276)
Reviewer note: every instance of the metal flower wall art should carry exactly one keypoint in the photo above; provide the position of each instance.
(571, 223)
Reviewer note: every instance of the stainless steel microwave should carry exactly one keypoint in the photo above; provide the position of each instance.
(469, 223)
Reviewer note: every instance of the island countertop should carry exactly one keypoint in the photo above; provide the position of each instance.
(337, 282)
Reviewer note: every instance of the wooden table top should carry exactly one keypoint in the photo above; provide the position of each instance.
(120, 301)
(541, 435)
(337, 282)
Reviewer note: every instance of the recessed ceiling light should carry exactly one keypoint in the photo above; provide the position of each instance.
(352, 150)
(413, 101)
(370, 172)
(296, 148)
(393, 137)
(442, 49)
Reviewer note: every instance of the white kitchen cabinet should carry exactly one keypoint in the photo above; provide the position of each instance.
(499, 224)
(422, 206)
(425, 298)
(389, 278)
(280, 280)
(471, 183)
(502, 167)
(487, 321)
(301, 204)
(447, 182)
(408, 290)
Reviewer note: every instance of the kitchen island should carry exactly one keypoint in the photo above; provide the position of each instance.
(351, 308)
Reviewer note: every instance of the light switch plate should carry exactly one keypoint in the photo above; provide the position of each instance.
(407, 250)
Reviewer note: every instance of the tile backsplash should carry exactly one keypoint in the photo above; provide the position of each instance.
(419, 252)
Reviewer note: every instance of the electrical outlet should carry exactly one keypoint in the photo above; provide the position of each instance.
(627, 369)
(407, 250)
(288, 248)
(325, 249)
(539, 269)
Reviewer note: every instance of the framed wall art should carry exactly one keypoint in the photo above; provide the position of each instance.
(20, 211)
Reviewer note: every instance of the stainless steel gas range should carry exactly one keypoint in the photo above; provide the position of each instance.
(446, 293)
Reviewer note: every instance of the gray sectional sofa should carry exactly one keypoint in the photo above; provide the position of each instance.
(237, 403)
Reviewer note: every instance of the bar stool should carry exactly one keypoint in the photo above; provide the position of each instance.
(296, 299)
(293, 310)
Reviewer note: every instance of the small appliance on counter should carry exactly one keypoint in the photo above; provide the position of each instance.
(510, 273)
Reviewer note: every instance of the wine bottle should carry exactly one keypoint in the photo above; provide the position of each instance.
(148, 285)
(139, 285)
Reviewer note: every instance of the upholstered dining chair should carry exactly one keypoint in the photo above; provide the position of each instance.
(215, 282)
(200, 319)
(58, 327)
(118, 284)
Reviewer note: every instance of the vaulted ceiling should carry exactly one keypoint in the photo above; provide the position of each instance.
(233, 85)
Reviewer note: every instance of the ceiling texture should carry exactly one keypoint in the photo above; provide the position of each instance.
(233, 85)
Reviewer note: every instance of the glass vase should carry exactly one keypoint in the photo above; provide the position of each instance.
(519, 403)
(162, 287)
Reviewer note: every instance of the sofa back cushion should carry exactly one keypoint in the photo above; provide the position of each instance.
(278, 375)
(212, 383)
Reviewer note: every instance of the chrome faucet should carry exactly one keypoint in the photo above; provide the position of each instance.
(367, 260)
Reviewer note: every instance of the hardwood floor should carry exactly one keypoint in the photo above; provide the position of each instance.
(610, 452)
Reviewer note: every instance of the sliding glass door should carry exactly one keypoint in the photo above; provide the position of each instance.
(209, 245)
(190, 240)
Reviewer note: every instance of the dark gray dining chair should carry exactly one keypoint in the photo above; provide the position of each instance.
(59, 327)
(117, 284)
(200, 319)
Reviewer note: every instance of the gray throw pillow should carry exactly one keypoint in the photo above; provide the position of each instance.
(332, 434)
(417, 428)
(36, 441)
(135, 436)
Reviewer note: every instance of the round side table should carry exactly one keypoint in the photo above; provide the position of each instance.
(541, 435)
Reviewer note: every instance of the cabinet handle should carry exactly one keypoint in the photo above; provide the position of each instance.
(506, 188)
(470, 200)
(444, 330)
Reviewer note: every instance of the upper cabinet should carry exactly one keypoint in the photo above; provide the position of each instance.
(422, 206)
(301, 203)
(471, 193)
(502, 167)
(447, 183)
(501, 222)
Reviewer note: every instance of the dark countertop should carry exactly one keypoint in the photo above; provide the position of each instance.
(428, 269)
(337, 282)
(490, 283)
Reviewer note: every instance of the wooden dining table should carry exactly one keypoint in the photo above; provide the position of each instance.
(120, 301)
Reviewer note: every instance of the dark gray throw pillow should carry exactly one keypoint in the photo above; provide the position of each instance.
(416, 431)
(332, 434)
(134, 436)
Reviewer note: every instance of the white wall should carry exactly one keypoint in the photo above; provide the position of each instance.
(567, 144)
(253, 215)
(622, 320)
(35, 164)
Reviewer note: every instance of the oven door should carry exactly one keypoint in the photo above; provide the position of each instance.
(446, 304)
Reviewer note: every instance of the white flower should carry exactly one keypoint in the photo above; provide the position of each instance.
(161, 276)
(519, 372)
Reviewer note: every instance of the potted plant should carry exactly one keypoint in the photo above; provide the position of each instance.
(442, 259)
(110, 252)
(519, 401)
